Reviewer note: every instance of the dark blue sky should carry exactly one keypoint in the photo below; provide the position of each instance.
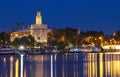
(97, 15)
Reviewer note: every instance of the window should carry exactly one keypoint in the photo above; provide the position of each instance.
(38, 38)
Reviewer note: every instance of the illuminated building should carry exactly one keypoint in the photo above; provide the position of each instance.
(38, 18)
(19, 34)
(38, 31)
(111, 46)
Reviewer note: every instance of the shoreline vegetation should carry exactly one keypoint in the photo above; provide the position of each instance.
(66, 40)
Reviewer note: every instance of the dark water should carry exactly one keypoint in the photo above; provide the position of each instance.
(61, 65)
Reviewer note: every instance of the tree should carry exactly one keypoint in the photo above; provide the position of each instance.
(16, 42)
(4, 38)
(31, 41)
(27, 41)
(62, 37)
(117, 36)
(95, 37)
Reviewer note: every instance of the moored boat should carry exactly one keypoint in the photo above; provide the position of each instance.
(85, 49)
(5, 51)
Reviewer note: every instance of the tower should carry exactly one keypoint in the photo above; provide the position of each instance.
(39, 30)
(38, 18)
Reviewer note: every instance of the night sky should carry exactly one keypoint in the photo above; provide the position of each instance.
(99, 15)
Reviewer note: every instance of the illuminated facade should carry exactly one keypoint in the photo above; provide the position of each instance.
(38, 31)
(38, 18)
(19, 34)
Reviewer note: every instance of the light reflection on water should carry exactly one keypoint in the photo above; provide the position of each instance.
(61, 65)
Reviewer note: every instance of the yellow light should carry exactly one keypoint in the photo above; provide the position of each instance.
(95, 38)
(45, 40)
(62, 38)
(11, 66)
(11, 34)
(24, 34)
(16, 68)
(11, 58)
(111, 46)
(117, 47)
(110, 40)
(90, 37)
(101, 64)
(115, 42)
(100, 37)
(16, 35)
(105, 42)
(4, 59)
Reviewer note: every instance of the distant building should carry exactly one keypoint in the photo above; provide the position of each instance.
(38, 31)
(19, 34)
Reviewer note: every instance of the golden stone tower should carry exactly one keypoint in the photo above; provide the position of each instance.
(38, 18)
(39, 30)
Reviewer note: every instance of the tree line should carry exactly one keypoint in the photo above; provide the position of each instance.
(62, 38)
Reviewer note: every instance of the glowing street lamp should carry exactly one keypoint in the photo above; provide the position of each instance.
(21, 47)
(100, 38)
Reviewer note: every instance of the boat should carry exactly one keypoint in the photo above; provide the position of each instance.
(85, 49)
(34, 52)
(7, 51)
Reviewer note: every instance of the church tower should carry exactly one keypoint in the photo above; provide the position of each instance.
(38, 18)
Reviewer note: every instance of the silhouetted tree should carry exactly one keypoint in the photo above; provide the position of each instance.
(27, 41)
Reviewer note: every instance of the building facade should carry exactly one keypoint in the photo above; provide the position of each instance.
(19, 34)
(38, 31)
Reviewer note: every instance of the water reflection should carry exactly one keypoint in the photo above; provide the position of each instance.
(17, 68)
(34, 66)
(106, 65)
(21, 65)
(112, 65)
(61, 65)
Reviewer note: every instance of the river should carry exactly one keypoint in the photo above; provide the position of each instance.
(61, 65)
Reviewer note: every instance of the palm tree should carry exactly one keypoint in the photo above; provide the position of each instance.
(19, 24)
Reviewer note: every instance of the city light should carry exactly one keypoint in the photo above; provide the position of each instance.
(16, 35)
(21, 47)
